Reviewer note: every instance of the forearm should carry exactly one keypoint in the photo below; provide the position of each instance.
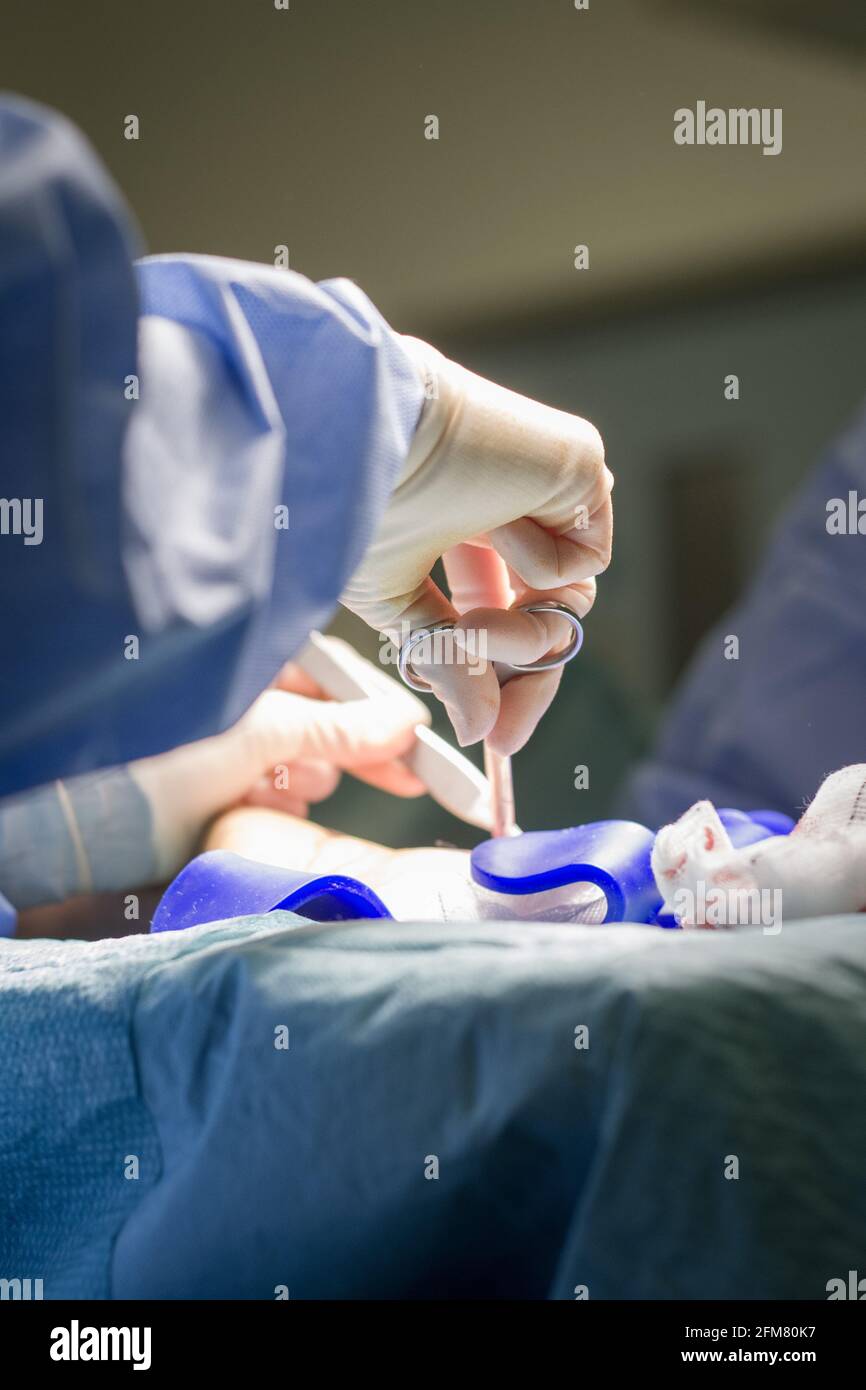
(271, 837)
(426, 883)
(89, 834)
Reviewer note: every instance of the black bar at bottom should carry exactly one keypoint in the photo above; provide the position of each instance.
(66, 1338)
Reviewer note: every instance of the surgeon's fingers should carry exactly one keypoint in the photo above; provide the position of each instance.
(546, 560)
(525, 699)
(372, 679)
(467, 687)
(283, 728)
(294, 679)
(517, 637)
(584, 515)
(394, 777)
(477, 577)
(458, 663)
(309, 779)
(296, 783)
(561, 543)
(315, 781)
(550, 632)
(265, 795)
(579, 596)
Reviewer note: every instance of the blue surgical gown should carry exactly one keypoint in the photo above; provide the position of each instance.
(212, 443)
(762, 723)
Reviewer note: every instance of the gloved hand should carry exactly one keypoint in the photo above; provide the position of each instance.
(516, 497)
(287, 751)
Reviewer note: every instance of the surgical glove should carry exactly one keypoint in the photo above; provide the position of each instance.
(287, 751)
(515, 496)
(819, 868)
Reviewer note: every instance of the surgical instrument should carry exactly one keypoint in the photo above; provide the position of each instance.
(497, 766)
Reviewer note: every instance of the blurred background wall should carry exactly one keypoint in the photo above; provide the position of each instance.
(305, 127)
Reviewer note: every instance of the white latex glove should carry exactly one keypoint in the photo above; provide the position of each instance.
(287, 751)
(819, 868)
(516, 497)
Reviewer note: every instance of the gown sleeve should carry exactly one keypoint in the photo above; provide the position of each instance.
(206, 446)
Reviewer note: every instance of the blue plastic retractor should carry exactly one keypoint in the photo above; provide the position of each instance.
(612, 855)
(219, 885)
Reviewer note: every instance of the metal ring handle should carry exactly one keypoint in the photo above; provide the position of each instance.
(549, 663)
(404, 660)
(546, 663)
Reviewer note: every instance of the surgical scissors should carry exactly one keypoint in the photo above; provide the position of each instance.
(497, 766)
